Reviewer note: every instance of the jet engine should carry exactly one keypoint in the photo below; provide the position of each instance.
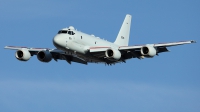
(23, 55)
(44, 56)
(113, 54)
(148, 51)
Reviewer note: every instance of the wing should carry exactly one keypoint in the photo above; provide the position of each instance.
(160, 47)
(56, 54)
(134, 51)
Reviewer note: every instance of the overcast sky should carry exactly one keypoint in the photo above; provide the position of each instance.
(168, 82)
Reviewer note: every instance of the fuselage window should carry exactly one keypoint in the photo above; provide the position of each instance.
(81, 37)
(95, 42)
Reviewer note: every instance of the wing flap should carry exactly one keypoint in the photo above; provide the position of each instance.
(162, 49)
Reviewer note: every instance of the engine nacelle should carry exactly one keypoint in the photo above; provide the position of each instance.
(148, 51)
(44, 56)
(23, 55)
(113, 54)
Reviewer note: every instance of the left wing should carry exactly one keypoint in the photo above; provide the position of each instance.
(56, 53)
(157, 45)
(134, 51)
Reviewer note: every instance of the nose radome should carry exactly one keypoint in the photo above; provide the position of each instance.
(59, 41)
(56, 40)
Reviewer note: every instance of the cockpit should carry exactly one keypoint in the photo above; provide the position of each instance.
(66, 32)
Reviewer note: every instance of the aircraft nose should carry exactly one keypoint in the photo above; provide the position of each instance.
(59, 41)
(56, 40)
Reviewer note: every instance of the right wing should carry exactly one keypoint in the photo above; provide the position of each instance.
(56, 54)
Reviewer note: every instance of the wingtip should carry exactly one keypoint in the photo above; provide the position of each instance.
(193, 41)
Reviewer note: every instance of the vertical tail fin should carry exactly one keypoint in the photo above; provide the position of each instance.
(123, 35)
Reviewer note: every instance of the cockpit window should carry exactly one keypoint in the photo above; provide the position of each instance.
(70, 32)
(66, 32)
(62, 31)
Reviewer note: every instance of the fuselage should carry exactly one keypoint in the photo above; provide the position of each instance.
(78, 43)
(73, 40)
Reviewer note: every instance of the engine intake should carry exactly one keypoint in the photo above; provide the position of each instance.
(23, 55)
(148, 51)
(44, 56)
(113, 54)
